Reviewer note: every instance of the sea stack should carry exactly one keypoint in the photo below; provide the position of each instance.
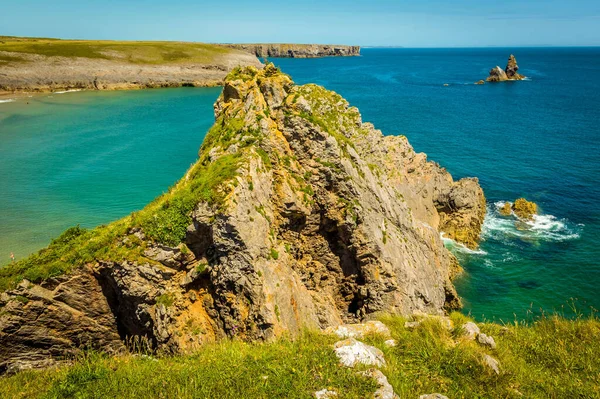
(297, 215)
(498, 74)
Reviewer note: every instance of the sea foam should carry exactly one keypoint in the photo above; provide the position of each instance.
(10, 100)
(67, 91)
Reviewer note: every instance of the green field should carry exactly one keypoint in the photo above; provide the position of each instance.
(549, 358)
(127, 51)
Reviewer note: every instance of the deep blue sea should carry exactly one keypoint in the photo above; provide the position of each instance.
(89, 158)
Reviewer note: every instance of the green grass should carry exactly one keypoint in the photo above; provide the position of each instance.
(128, 51)
(549, 358)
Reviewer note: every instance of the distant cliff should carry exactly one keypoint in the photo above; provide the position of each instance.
(30, 64)
(298, 50)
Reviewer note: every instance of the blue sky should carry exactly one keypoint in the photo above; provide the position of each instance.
(416, 23)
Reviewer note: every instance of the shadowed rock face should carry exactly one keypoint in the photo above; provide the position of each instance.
(498, 74)
(326, 221)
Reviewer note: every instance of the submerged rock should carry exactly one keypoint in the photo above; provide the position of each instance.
(480, 82)
(498, 74)
(309, 217)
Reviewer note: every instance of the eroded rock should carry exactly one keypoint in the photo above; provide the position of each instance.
(498, 74)
(524, 209)
(359, 330)
(351, 352)
(491, 363)
(384, 389)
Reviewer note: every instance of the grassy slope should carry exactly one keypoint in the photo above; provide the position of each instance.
(155, 53)
(552, 358)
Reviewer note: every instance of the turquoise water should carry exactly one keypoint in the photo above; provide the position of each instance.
(538, 138)
(90, 158)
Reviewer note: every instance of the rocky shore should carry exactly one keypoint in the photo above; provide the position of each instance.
(298, 50)
(297, 214)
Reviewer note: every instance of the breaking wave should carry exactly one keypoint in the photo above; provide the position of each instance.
(66, 91)
(540, 228)
(10, 100)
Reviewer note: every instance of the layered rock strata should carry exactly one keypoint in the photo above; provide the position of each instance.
(318, 219)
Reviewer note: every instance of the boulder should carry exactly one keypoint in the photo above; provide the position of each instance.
(433, 396)
(491, 363)
(524, 209)
(506, 209)
(351, 352)
(325, 394)
(486, 340)
(480, 82)
(359, 330)
(470, 330)
(384, 390)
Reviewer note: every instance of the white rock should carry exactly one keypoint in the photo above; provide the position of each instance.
(433, 396)
(470, 330)
(390, 343)
(491, 363)
(385, 390)
(325, 394)
(486, 340)
(352, 352)
(360, 330)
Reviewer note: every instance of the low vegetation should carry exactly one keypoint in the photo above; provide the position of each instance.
(135, 52)
(549, 358)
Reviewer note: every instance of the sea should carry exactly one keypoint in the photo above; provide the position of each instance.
(89, 158)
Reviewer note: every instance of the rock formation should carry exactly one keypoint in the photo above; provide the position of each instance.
(498, 74)
(524, 209)
(298, 50)
(297, 214)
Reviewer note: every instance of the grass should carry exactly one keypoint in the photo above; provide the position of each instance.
(549, 358)
(135, 52)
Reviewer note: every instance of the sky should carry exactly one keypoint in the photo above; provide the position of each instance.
(415, 23)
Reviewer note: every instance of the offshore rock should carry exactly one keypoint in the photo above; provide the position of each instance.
(524, 209)
(325, 221)
(498, 74)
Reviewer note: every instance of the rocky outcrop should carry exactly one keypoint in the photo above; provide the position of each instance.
(298, 50)
(498, 74)
(315, 219)
(521, 208)
(524, 209)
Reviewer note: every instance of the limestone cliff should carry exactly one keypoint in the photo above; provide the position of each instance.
(297, 214)
(498, 74)
(298, 50)
(32, 65)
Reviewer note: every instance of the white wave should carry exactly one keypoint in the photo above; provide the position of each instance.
(448, 242)
(10, 100)
(540, 228)
(66, 91)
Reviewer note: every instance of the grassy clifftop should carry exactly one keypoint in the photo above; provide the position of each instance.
(137, 52)
(42, 64)
(551, 358)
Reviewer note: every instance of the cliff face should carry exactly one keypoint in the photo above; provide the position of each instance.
(50, 64)
(300, 215)
(298, 50)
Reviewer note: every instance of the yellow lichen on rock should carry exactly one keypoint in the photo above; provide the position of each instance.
(506, 209)
(524, 209)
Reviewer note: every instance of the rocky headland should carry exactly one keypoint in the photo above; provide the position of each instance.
(43, 65)
(296, 215)
(298, 50)
(498, 74)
